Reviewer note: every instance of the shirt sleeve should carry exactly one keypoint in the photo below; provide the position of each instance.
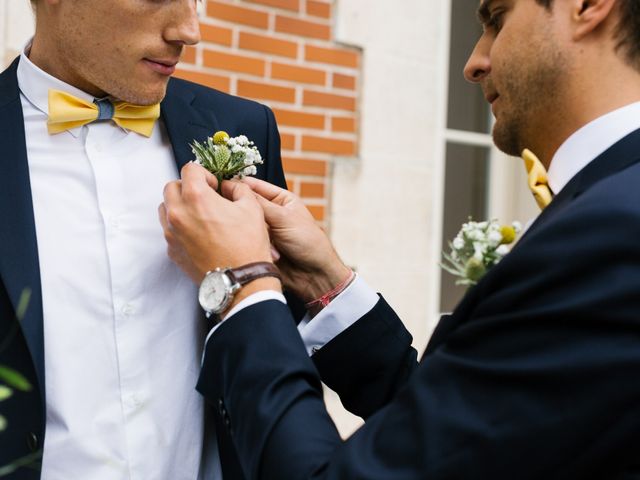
(347, 308)
(352, 304)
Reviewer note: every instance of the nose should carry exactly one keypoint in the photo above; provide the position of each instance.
(478, 65)
(184, 27)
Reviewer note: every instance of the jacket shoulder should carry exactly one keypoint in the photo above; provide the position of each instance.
(210, 96)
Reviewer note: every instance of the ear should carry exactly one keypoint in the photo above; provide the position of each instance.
(588, 15)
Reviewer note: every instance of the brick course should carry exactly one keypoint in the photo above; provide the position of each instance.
(281, 53)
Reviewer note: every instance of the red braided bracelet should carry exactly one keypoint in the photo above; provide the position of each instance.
(325, 299)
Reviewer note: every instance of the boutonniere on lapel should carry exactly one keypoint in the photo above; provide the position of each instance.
(227, 157)
(477, 247)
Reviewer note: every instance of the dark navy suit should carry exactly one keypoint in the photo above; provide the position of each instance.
(535, 375)
(189, 112)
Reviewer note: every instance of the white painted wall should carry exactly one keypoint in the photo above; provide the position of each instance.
(16, 27)
(385, 204)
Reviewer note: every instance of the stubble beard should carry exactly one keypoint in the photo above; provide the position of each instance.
(530, 95)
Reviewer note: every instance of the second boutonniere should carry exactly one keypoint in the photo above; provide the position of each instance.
(477, 247)
(227, 157)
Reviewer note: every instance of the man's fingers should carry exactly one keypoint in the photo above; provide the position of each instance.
(236, 191)
(275, 254)
(196, 182)
(265, 189)
(194, 173)
(272, 211)
(172, 192)
(212, 181)
(162, 216)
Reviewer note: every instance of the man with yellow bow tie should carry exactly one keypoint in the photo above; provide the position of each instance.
(92, 126)
(535, 373)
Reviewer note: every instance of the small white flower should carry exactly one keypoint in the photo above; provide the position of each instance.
(478, 251)
(517, 226)
(495, 237)
(475, 235)
(478, 244)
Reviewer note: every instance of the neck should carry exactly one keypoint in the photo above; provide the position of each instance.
(592, 97)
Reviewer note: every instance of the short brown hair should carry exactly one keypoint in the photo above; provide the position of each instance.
(628, 28)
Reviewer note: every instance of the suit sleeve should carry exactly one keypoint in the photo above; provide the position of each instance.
(539, 381)
(368, 363)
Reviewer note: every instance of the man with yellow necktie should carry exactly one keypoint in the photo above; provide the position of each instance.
(92, 126)
(535, 373)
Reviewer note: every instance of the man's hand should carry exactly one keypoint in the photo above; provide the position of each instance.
(205, 230)
(308, 262)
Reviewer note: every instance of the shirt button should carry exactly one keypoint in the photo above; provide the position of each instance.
(128, 309)
(314, 350)
(114, 223)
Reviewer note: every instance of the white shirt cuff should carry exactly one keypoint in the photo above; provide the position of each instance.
(348, 307)
(261, 296)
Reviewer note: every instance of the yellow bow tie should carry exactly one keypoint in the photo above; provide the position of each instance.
(537, 178)
(67, 112)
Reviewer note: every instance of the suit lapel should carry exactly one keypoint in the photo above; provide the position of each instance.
(19, 267)
(184, 121)
(619, 156)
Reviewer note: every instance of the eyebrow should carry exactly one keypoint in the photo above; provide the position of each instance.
(483, 12)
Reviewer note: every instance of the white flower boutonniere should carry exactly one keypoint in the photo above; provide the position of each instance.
(477, 247)
(227, 157)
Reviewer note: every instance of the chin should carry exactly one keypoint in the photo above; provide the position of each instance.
(506, 139)
(145, 95)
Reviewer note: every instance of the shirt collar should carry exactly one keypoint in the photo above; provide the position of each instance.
(588, 142)
(35, 83)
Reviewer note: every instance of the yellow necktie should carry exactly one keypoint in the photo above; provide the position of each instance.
(67, 112)
(537, 178)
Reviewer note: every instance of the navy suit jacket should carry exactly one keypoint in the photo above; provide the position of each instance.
(189, 112)
(535, 375)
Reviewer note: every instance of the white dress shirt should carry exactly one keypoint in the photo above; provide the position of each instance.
(573, 155)
(123, 333)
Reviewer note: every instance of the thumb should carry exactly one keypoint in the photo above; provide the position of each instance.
(236, 191)
(272, 211)
(212, 181)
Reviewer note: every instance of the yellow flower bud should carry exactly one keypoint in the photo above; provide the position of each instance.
(508, 234)
(220, 138)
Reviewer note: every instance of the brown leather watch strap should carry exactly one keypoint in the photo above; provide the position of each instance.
(253, 271)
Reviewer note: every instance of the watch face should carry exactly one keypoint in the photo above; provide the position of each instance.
(214, 291)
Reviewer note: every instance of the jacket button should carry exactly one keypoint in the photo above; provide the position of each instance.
(32, 441)
(221, 408)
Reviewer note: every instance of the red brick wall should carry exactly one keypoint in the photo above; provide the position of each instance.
(282, 53)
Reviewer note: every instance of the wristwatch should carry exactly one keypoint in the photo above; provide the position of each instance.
(220, 285)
